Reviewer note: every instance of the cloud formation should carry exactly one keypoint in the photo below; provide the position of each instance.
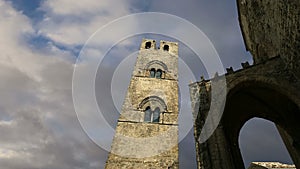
(71, 23)
(38, 125)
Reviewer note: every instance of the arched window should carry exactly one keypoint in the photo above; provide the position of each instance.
(152, 116)
(166, 47)
(153, 107)
(158, 74)
(148, 45)
(148, 114)
(152, 73)
(156, 114)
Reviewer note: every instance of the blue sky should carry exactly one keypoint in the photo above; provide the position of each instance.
(40, 42)
(29, 9)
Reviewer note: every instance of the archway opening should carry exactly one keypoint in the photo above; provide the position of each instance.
(166, 47)
(148, 45)
(252, 99)
(259, 141)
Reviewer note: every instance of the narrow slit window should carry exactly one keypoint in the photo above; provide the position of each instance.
(148, 45)
(148, 114)
(158, 74)
(152, 73)
(166, 47)
(156, 115)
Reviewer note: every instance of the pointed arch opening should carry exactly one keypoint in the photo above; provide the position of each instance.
(259, 140)
(253, 99)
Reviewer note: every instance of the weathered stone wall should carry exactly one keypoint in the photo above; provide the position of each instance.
(270, 165)
(272, 28)
(221, 150)
(268, 89)
(142, 87)
(161, 161)
(157, 58)
(139, 144)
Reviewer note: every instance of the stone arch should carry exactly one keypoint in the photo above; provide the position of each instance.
(263, 98)
(254, 145)
(157, 65)
(268, 80)
(153, 102)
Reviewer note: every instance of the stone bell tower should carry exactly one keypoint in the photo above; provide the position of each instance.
(147, 130)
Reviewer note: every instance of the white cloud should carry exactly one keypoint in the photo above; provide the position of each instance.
(91, 7)
(15, 52)
(38, 125)
(11, 31)
(5, 123)
(73, 22)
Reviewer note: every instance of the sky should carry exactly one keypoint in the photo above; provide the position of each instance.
(40, 43)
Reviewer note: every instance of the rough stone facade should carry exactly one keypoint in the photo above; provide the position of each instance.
(267, 89)
(271, 28)
(142, 140)
(270, 165)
